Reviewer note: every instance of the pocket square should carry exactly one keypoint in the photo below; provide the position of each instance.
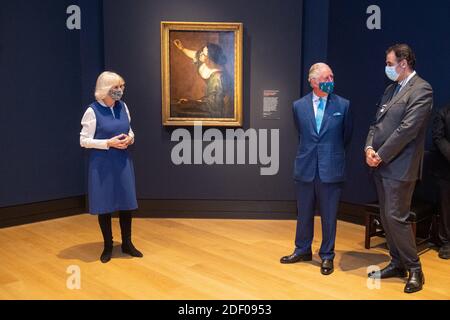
(337, 114)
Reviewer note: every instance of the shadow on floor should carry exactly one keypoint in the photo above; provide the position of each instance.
(90, 252)
(354, 260)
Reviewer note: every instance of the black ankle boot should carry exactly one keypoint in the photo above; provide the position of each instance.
(129, 248)
(125, 219)
(106, 254)
(105, 225)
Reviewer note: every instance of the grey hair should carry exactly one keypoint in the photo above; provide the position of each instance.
(316, 69)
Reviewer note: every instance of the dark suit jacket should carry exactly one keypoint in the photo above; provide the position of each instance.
(441, 138)
(399, 131)
(327, 148)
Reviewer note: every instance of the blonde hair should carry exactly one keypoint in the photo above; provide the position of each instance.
(316, 69)
(105, 82)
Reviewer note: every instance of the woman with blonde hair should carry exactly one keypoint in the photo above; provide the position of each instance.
(107, 134)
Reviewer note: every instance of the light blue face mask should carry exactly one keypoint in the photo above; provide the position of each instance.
(327, 87)
(392, 73)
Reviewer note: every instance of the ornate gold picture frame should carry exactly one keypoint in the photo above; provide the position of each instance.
(201, 65)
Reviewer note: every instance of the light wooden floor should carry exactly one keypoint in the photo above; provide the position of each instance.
(195, 259)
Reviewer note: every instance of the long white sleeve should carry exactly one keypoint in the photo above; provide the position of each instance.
(89, 124)
(130, 133)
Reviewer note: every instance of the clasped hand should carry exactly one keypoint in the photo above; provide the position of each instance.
(372, 158)
(121, 142)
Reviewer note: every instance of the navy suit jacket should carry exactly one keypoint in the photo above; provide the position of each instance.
(324, 150)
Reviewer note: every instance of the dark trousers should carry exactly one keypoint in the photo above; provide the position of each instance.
(395, 204)
(327, 196)
(444, 227)
(125, 219)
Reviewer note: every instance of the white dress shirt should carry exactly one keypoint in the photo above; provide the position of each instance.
(316, 101)
(89, 123)
(405, 81)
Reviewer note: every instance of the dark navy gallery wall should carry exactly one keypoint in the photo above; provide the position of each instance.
(357, 56)
(91, 48)
(272, 60)
(49, 73)
(42, 104)
(315, 37)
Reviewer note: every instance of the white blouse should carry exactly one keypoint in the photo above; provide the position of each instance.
(89, 123)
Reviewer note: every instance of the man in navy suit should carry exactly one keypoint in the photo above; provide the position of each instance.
(324, 126)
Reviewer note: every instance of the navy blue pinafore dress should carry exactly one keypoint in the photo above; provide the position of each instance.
(111, 182)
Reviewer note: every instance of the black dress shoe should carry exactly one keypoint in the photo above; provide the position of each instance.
(327, 267)
(415, 281)
(444, 252)
(390, 271)
(294, 258)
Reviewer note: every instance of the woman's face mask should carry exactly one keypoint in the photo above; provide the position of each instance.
(116, 94)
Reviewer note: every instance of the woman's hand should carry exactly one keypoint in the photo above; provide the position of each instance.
(178, 44)
(121, 142)
(128, 140)
(182, 101)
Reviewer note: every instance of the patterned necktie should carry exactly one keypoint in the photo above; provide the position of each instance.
(319, 114)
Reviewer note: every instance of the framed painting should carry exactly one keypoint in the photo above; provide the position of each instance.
(201, 66)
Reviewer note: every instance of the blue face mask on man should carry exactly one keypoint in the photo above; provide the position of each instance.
(391, 73)
(327, 87)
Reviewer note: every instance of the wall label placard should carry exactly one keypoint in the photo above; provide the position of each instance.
(271, 104)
